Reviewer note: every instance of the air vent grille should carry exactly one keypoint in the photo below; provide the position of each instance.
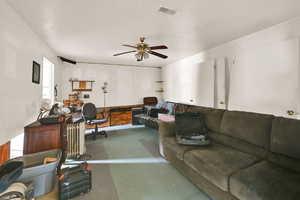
(167, 11)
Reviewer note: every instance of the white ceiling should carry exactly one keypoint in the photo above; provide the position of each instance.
(93, 30)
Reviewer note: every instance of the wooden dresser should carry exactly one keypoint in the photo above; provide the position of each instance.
(38, 137)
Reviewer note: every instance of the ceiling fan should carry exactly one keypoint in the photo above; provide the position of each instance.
(143, 50)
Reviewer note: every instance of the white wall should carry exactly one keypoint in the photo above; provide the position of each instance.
(259, 72)
(126, 85)
(190, 83)
(20, 98)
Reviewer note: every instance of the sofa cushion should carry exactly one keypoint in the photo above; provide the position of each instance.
(170, 146)
(238, 144)
(285, 137)
(217, 162)
(285, 161)
(251, 127)
(265, 181)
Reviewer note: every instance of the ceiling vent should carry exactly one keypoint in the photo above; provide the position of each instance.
(167, 11)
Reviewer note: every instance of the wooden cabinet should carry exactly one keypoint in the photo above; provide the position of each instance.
(120, 117)
(77, 103)
(40, 137)
(4, 152)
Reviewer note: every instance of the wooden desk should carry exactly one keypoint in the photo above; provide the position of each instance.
(120, 115)
(40, 137)
(116, 115)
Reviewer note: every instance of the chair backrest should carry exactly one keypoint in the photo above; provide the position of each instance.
(89, 111)
(150, 101)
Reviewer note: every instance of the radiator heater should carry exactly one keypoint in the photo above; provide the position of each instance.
(75, 140)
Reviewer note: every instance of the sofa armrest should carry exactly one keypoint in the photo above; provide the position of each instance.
(166, 129)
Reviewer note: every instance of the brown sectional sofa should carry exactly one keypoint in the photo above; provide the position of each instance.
(252, 156)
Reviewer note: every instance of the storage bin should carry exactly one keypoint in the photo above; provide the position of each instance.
(42, 176)
(10, 171)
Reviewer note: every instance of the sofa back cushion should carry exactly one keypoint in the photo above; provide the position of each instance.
(285, 137)
(250, 127)
(213, 119)
(285, 161)
(285, 147)
(241, 145)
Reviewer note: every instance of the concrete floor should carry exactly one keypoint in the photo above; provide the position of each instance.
(134, 181)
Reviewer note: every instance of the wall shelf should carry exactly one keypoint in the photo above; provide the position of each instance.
(82, 85)
(160, 90)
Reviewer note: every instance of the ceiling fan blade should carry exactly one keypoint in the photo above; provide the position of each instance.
(159, 47)
(158, 54)
(118, 54)
(127, 45)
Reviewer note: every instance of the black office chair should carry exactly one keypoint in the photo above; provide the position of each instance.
(89, 112)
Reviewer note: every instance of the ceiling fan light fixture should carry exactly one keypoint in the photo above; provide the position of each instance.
(146, 55)
(143, 50)
(138, 56)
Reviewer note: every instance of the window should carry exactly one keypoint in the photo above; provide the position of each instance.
(48, 80)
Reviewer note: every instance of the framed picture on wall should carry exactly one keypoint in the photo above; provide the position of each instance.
(36, 72)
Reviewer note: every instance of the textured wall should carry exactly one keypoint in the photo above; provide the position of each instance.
(20, 98)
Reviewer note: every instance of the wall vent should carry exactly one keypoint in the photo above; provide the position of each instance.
(167, 11)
